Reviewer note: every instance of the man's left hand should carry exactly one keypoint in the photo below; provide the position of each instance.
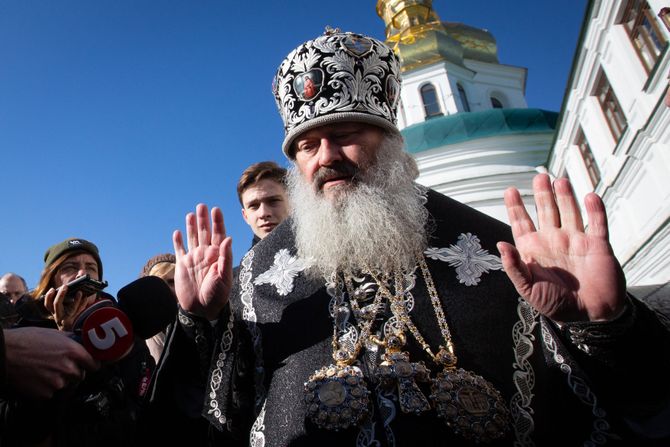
(565, 272)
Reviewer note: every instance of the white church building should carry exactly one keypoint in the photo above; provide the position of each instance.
(465, 120)
(614, 131)
(463, 114)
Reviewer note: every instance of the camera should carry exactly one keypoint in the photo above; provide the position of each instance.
(86, 284)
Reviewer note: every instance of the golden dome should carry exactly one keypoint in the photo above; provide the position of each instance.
(477, 43)
(419, 38)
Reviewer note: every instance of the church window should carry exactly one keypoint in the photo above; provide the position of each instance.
(587, 156)
(610, 105)
(643, 31)
(664, 14)
(430, 104)
(464, 97)
(495, 103)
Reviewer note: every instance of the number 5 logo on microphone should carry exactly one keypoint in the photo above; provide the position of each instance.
(107, 334)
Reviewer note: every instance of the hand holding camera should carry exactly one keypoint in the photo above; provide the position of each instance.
(69, 300)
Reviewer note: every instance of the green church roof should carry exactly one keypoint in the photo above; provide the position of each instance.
(464, 126)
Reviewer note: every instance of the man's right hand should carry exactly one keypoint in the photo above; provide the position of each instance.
(41, 361)
(203, 275)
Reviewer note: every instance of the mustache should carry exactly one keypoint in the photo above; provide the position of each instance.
(336, 170)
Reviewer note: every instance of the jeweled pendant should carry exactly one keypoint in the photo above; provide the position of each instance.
(337, 397)
(398, 371)
(470, 405)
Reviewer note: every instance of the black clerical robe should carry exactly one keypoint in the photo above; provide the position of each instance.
(560, 390)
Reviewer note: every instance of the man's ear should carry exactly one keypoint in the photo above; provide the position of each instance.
(244, 215)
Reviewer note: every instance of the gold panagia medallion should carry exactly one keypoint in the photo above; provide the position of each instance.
(470, 405)
(337, 397)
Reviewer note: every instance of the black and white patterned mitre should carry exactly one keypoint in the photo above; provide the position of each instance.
(337, 77)
(281, 332)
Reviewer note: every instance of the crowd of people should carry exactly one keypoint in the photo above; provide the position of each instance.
(368, 311)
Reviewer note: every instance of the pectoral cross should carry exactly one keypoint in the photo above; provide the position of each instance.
(397, 370)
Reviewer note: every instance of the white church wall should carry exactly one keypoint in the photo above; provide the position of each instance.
(634, 170)
(477, 172)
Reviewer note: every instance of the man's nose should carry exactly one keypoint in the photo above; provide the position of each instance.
(329, 152)
(263, 210)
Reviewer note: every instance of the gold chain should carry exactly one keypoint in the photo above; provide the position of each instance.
(446, 354)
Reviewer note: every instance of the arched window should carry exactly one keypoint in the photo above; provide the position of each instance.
(464, 98)
(429, 98)
(495, 103)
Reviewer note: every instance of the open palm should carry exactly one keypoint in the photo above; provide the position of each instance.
(203, 274)
(563, 271)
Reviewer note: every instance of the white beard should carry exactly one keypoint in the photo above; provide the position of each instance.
(377, 222)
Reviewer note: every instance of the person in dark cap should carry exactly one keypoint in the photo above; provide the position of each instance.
(64, 262)
(385, 313)
(101, 407)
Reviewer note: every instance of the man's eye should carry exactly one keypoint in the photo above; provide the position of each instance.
(307, 147)
(345, 136)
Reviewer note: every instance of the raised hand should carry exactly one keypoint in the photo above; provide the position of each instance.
(566, 273)
(203, 275)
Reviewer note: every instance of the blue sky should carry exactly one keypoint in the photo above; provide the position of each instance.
(118, 117)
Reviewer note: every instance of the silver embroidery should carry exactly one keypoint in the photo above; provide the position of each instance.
(249, 316)
(185, 319)
(523, 375)
(386, 400)
(282, 273)
(256, 436)
(217, 374)
(469, 258)
(366, 434)
(580, 388)
(351, 83)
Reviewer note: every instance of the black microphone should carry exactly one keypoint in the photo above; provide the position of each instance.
(150, 305)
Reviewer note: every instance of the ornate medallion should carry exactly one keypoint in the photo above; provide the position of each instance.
(308, 85)
(470, 405)
(337, 397)
(356, 45)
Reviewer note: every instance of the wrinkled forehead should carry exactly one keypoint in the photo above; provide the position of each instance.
(330, 129)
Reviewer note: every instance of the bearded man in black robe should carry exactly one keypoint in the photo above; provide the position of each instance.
(384, 313)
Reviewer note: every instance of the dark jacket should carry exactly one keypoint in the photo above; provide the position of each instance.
(102, 410)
